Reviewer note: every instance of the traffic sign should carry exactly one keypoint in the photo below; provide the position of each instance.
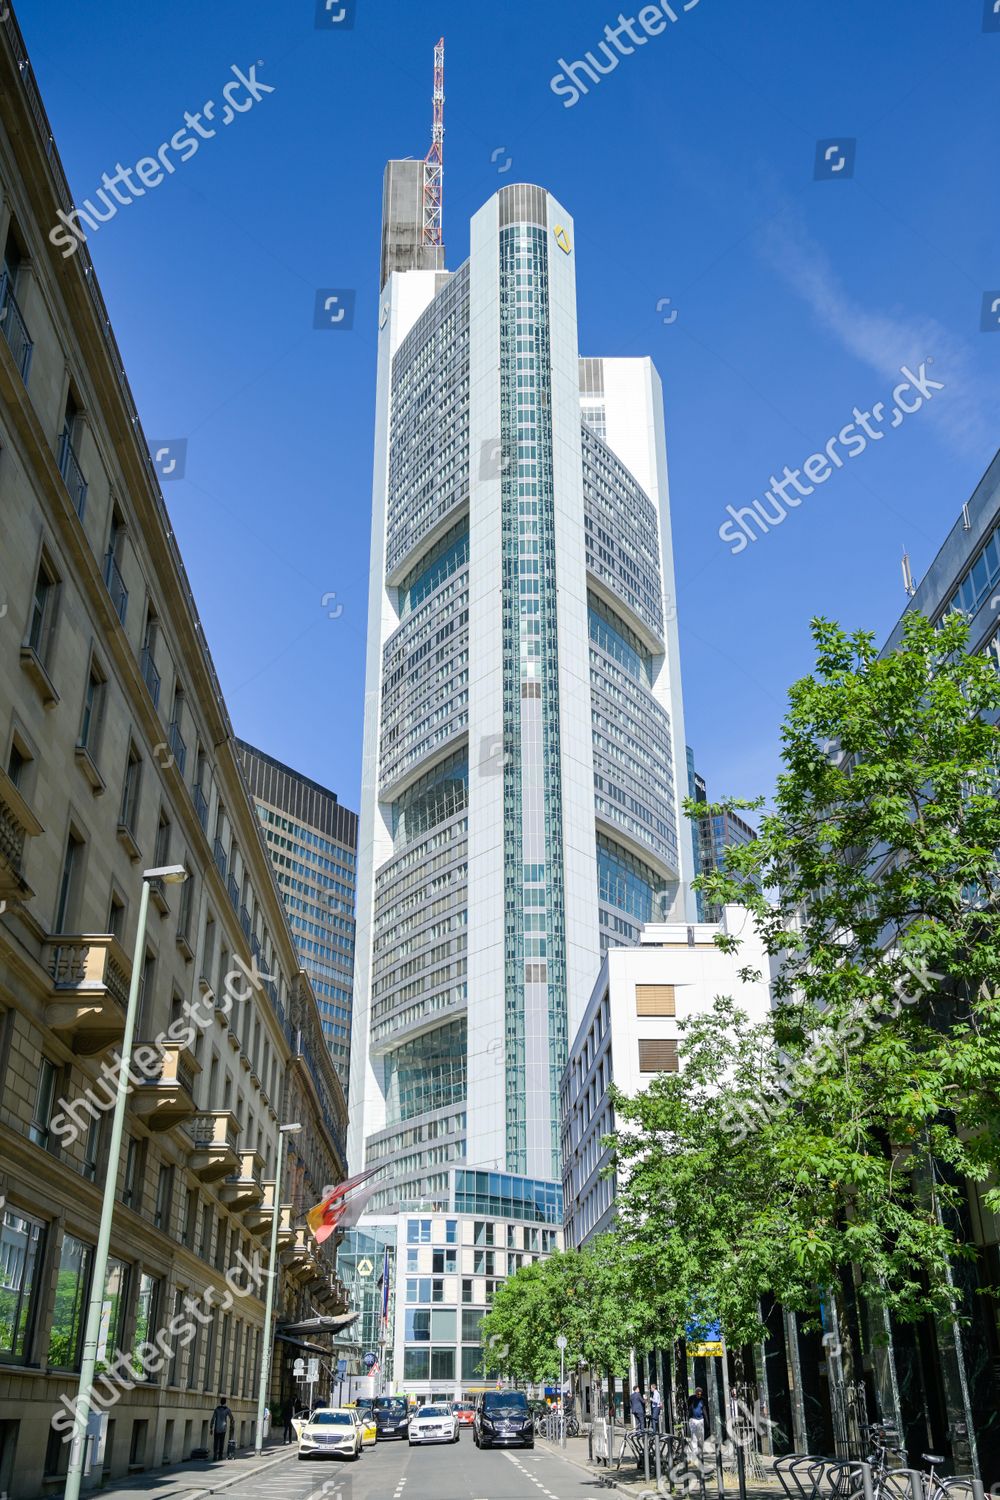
(299, 1369)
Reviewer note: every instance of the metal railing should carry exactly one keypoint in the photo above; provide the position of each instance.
(69, 468)
(200, 805)
(177, 745)
(234, 892)
(14, 328)
(116, 586)
(245, 921)
(150, 675)
(219, 855)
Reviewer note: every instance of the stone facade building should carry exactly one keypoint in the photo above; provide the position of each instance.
(117, 755)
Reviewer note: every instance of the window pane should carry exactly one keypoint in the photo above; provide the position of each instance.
(418, 1324)
(443, 1324)
(416, 1363)
(20, 1240)
(442, 1364)
(145, 1319)
(71, 1293)
(113, 1312)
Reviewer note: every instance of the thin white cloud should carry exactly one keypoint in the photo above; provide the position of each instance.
(964, 412)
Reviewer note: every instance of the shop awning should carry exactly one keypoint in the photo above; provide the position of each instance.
(320, 1324)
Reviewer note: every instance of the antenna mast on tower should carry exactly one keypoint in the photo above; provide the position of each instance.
(434, 160)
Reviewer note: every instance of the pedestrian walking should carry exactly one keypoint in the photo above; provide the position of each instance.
(222, 1423)
(655, 1407)
(637, 1407)
(696, 1421)
(287, 1414)
(266, 1425)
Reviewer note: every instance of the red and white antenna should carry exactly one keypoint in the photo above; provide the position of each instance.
(434, 160)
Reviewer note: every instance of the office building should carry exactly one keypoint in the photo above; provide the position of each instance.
(524, 745)
(312, 841)
(629, 1034)
(117, 755)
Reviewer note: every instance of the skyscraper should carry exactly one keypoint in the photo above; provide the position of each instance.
(524, 753)
(312, 841)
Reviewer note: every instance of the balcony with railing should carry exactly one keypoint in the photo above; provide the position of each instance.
(69, 468)
(244, 1188)
(116, 586)
(286, 1232)
(177, 746)
(302, 1259)
(165, 1096)
(14, 328)
(214, 1144)
(200, 806)
(245, 921)
(234, 892)
(257, 1218)
(90, 977)
(17, 824)
(219, 855)
(150, 675)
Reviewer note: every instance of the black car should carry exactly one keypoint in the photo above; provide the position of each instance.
(392, 1417)
(502, 1419)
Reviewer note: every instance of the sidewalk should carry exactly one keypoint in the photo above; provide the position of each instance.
(629, 1480)
(196, 1477)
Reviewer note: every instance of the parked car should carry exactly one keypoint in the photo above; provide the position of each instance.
(433, 1424)
(331, 1432)
(465, 1411)
(503, 1418)
(392, 1417)
(369, 1431)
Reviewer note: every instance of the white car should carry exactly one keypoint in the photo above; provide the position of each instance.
(434, 1424)
(331, 1432)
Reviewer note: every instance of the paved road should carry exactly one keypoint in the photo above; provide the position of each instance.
(394, 1471)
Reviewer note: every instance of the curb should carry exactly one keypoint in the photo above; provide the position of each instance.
(182, 1490)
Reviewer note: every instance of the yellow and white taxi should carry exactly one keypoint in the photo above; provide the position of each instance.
(369, 1432)
(331, 1432)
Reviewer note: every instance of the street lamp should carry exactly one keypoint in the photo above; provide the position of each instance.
(272, 1276)
(170, 875)
(561, 1341)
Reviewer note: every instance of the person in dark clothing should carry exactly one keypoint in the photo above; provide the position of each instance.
(222, 1423)
(287, 1413)
(637, 1407)
(696, 1421)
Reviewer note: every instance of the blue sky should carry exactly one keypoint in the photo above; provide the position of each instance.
(689, 171)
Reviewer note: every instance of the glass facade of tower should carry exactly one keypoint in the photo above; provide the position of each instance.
(312, 841)
(534, 949)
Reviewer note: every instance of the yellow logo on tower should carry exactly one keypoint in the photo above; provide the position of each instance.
(562, 238)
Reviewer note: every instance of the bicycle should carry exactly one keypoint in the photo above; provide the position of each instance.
(884, 1441)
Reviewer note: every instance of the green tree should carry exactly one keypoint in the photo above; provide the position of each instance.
(840, 1132)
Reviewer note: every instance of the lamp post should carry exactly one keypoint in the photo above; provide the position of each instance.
(170, 875)
(272, 1276)
(561, 1341)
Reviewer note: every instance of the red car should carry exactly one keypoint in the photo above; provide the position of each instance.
(465, 1412)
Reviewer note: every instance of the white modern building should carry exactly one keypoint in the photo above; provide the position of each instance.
(524, 750)
(629, 1033)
